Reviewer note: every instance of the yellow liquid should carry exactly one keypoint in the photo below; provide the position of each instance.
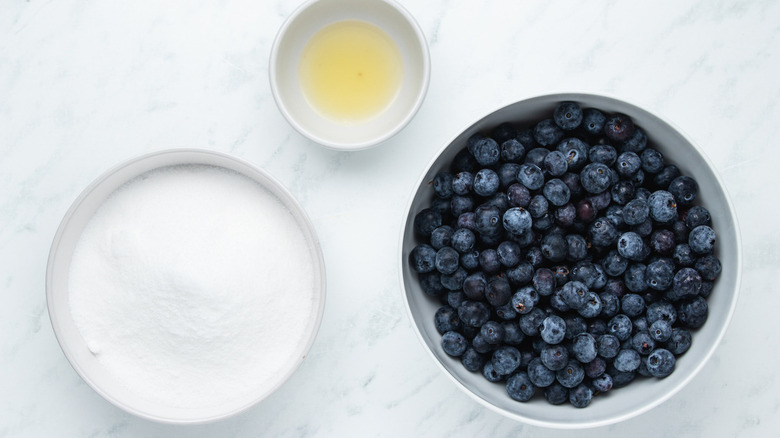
(350, 71)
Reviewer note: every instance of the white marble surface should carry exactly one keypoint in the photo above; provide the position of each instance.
(85, 85)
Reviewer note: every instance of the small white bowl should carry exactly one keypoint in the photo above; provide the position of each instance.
(94, 373)
(643, 394)
(296, 32)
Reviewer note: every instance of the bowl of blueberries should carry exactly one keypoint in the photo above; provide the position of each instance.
(570, 260)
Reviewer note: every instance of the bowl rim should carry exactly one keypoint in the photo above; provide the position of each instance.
(184, 156)
(359, 145)
(562, 96)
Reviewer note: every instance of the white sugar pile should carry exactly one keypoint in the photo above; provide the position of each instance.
(193, 285)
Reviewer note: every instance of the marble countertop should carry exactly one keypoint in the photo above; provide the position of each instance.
(86, 85)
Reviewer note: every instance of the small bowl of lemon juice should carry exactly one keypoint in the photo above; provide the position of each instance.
(349, 74)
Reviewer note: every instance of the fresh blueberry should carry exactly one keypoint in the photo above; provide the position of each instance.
(555, 394)
(697, 215)
(517, 220)
(531, 176)
(568, 115)
(663, 207)
(536, 156)
(543, 281)
(632, 305)
(574, 294)
(455, 280)
(426, 221)
(518, 195)
(595, 178)
(577, 247)
(659, 274)
(581, 396)
(474, 286)
(652, 161)
(554, 247)
(493, 332)
(592, 307)
(447, 260)
(423, 258)
(602, 383)
(524, 300)
(519, 387)
(554, 357)
(467, 220)
(660, 330)
(661, 363)
(442, 185)
(555, 163)
(571, 375)
(531, 321)
(643, 343)
(576, 152)
(486, 151)
(486, 182)
(661, 311)
(686, 284)
(627, 360)
(553, 329)
(702, 239)
(512, 333)
(709, 267)
(693, 313)
(453, 343)
(461, 204)
(680, 341)
(505, 360)
(490, 373)
(636, 143)
(619, 127)
(503, 132)
(488, 219)
(631, 246)
(608, 346)
(628, 164)
(584, 347)
(610, 304)
(663, 178)
(595, 368)
(622, 192)
(556, 192)
(446, 319)
(441, 237)
(636, 212)
(521, 274)
(619, 326)
(602, 232)
(462, 183)
(547, 133)
(472, 360)
(473, 313)
(684, 189)
(614, 264)
(463, 240)
(512, 151)
(634, 277)
(498, 292)
(430, 282)
(603, 153)
(662, 242)
(540, 375)
(593, 121)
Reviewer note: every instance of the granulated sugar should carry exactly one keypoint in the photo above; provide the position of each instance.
(194, 286)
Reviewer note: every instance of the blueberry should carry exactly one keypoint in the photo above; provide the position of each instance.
(584, 347)
(661, 363)
(555, 394)
(595, 368)
(512, 333)
(614, 264)
(547, 133)
(536, 156)
(486, 151)
(464, 162)
(430, 282)
(474, 286)
(630, 246)
(661, 311)
(467, 220)
(490, 373)
(453, 343)
(636, 143)
(574, 294)
(555, 163)
(628, 164)
(619, 326)
(556, 192)
(595, 178)
(702, 239)
(634, 277)
(660, 330)
(512, 151)
(632, 305)
(571, 375)
(534, 256)
(577, 247)
(521, 274)
(498, 292)
(519, 387)
(505, 360)
(540, 375)
(463, 240)
(581, 396)
(663, 207)
(709, 267)
(684, 189)
(442, 206)
(636, 212)
(441, 237)
(622, 192)
(447, 260)
(446, 319)
(576, 152)
(593, 121)
(506, 312)
(592, 307)
(507, 174)
(697, 215)
(531, 321)
(603, 153)
(543, 281)
(663, 178)
(517, 220)
(686, 284)
(554, 247)
(531, 176)
(602, 232)
(518, 195)
(538, 206)
(455, 280)
(626, 360)
(680, 231)
(492, 332)
(524, 300)
(643, 343)
(553, 329)
(486, 182)
(680, 341)
(568, 115)
(693, 313)
(461, 204)
(426, 221)
(662, 242)
(423, 258)
(554, 357)
(602, 383)
(442, 185)
(619, 127)
(503, 132)
(472, 360)
(462, 183)
(488, 219)
(652, 161)
(610, 304)
(659, 274)
(608, 346)
(473, 313)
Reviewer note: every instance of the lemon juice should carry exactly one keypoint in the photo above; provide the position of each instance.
(350, 71)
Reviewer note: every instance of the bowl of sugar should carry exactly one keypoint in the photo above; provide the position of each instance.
(185, 286)
(349, 74)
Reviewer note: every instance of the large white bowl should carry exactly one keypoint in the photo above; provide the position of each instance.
(642, 394)
(74, 345)
(312, 16)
